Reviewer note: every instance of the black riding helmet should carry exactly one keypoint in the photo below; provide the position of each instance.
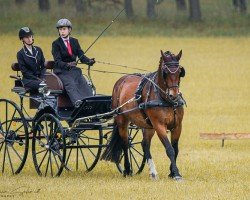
(25, 32)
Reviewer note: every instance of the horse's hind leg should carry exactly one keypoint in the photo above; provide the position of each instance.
(146, 142)
(123, 131)
(162, 134)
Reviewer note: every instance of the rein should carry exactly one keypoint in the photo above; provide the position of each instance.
(124, 66)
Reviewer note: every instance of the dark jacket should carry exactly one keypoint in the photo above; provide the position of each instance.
(62, 57)
(31, 66)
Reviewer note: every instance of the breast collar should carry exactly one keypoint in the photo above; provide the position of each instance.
(26, 53)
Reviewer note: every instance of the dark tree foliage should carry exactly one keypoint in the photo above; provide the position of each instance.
(20, 1)
(80, 6)
(44, 5)
(129, 9)
(61, 2)
(181, 4)
(240, 5)
(151, 9)
(194, 10)
(102, 5)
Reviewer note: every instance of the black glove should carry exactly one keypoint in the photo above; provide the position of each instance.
(91, 62)
(70, 65)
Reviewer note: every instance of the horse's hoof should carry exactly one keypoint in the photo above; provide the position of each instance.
(125, 173)
(177, 178)
(154, 177)
(171, 176)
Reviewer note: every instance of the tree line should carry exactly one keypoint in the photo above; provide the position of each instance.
(193, 6)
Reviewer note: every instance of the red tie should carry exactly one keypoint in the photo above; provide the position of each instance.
(69, 47)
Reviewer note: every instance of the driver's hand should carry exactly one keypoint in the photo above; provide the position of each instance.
(91, 62)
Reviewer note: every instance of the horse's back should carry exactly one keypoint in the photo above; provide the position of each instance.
(124, 89)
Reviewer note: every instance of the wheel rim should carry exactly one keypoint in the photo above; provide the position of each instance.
(48, 146)
(84, 158)
(14, 139)
(135, 152)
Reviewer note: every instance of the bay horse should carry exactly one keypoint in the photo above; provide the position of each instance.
(157, 106)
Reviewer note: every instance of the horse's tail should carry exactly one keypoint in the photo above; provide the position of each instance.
(113, 150)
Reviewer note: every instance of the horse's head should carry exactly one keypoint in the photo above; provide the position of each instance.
(171, 72)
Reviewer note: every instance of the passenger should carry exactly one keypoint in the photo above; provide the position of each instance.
(65, 51)
(30, 60)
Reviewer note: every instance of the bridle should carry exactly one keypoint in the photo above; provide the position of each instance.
(169, 66)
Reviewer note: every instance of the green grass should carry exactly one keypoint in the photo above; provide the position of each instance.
(216, 88)
(219, 19)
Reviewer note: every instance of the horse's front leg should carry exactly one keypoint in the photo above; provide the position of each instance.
(175, 135)
(146, 142)
(162, 134)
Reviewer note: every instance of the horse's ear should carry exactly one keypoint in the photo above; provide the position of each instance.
(162, 54)
(178, 57)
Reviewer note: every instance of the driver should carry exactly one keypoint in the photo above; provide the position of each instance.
(30, 60)
(65, 50)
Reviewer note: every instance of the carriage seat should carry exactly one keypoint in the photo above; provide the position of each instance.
(52, 80)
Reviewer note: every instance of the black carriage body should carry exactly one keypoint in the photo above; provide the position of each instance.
(50, 139)
(92, 106)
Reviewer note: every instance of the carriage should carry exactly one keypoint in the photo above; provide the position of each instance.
(58, 135)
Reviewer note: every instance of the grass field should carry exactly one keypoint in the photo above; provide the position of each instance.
(216, 88)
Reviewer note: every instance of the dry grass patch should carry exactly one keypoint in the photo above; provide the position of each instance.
(216, 88)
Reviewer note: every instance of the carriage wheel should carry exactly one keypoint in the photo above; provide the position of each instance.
(87, 155)
(135, 152)
(48, 146)
(14, 138)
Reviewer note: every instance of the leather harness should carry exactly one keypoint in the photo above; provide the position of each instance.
(160, 102)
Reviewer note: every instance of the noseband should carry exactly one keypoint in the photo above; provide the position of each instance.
(169, 66)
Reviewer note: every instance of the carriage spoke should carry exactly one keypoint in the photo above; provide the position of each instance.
(51, 168)
(46, 125)
(47, 166)
(19, 128)
(58, 154)
(10, 161)
(137, 131)
(55, 160)
(131, 163)
(42, 159)
(4, 158)
(6, 115)
(17, 153)
(86, 137)
(52, 133)
(84, 159)
(77, 156)
(137, 151)
(41, 151)
(88, 148)
(1, 147)
(68, 157)
(7, 130)
(43, 132)
(134, 143)
(121, 158)
(134, 159)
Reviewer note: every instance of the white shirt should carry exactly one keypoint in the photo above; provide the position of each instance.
(65, 40)
(30, 50)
